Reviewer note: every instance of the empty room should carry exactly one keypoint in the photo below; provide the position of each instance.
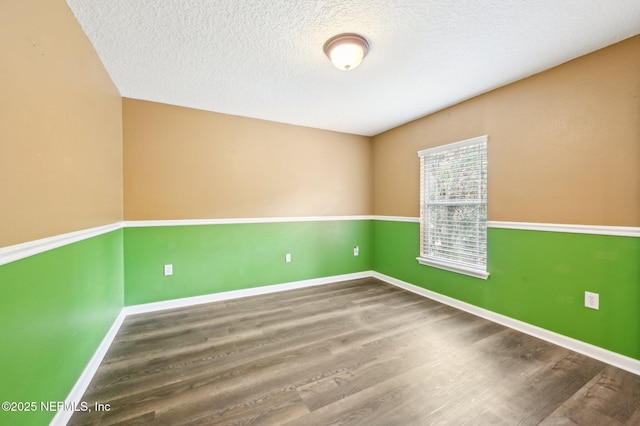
(320, 213)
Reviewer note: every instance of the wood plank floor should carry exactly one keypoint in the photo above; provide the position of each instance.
(359, 352)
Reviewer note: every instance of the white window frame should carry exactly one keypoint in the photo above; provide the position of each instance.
(454, 261)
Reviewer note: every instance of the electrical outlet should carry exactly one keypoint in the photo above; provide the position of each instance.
(287, 257)
(591, 300)
(356, 250)
(168, 270)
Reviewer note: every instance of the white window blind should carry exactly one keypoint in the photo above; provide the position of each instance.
(453, 199)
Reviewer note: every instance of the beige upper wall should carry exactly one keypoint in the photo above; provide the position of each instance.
(60, 126)
(564, 145)
(183, 163)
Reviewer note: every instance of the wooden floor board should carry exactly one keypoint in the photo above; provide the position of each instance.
(359, 352)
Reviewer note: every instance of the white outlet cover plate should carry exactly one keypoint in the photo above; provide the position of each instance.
(168, 270)
(591, 300)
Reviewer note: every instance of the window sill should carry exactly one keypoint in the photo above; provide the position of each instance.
(477, 273)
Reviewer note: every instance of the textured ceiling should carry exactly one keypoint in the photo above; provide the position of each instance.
(264, 58)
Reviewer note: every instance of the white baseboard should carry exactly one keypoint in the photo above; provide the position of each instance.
(626, 363)
(236, 294)
(75, 396)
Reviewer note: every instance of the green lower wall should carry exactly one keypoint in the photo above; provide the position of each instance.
(215, 258)
(537, 277)
(56, 308)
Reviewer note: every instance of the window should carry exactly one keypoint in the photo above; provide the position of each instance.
(453, 207)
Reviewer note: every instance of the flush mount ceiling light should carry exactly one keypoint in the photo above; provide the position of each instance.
(346, 51)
